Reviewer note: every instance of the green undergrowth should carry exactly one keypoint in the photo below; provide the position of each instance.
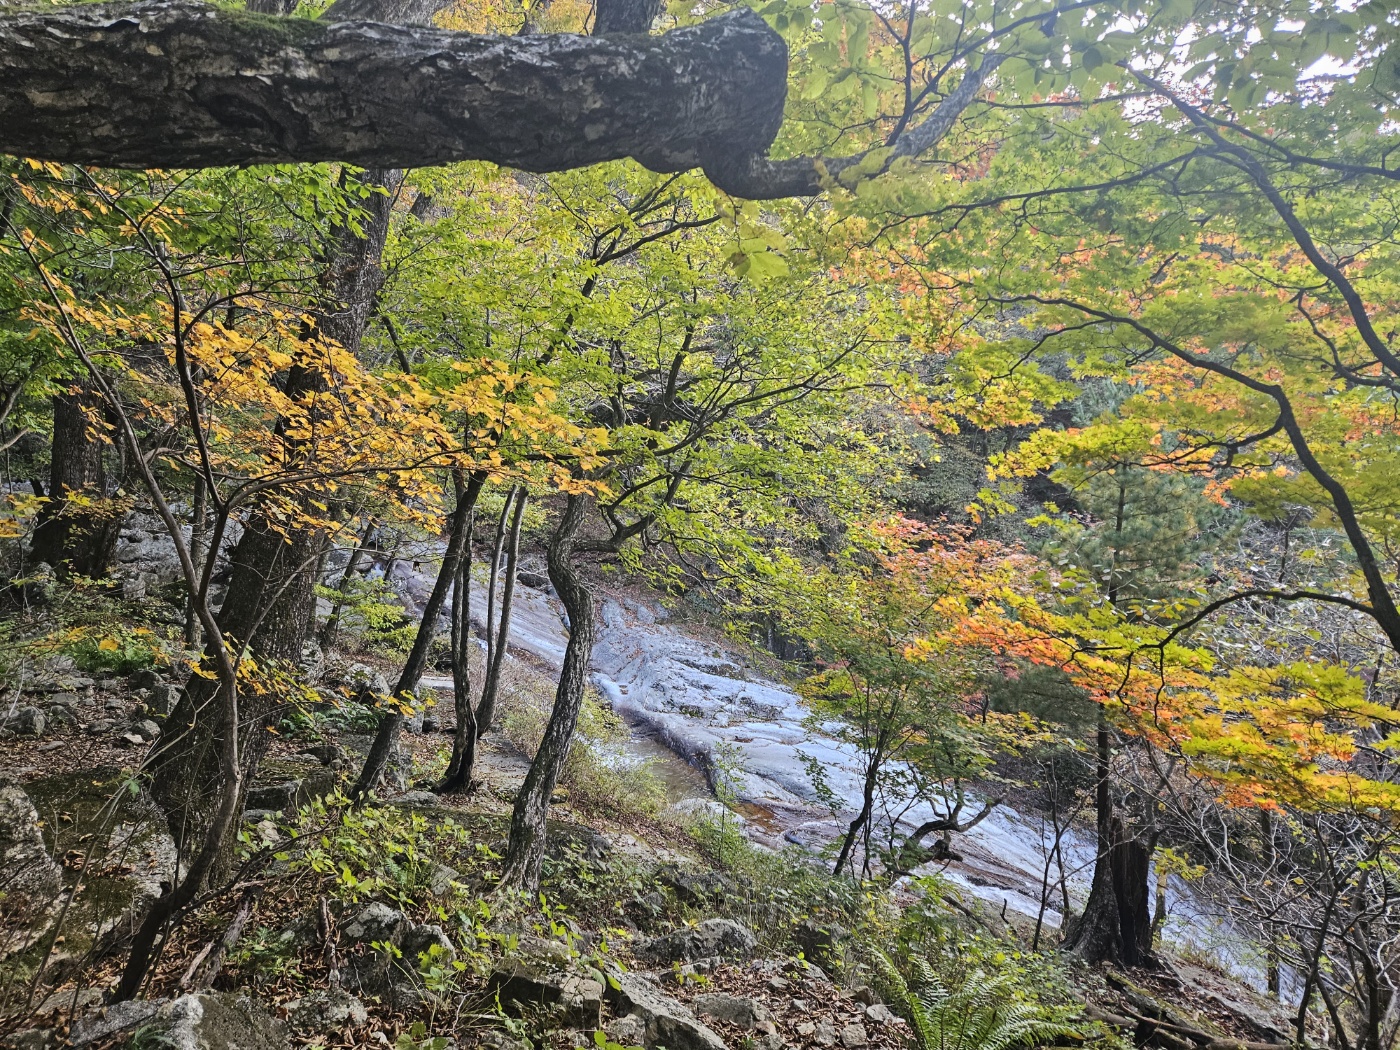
(926, 957)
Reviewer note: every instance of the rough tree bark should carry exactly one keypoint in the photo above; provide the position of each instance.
(185, 85)
(386, 737)
(74, 535)
(176, 85)
(624, 16)
(1116, 926)
(491, 687)
(525, 854)
(459, 769)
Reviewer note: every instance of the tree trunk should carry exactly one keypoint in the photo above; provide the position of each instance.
(199, 529)
(352, 566)
(268, 603)
(186, 85)
(388, 733)
(525, 853)
(78, 528)
(1116, 926)
(493, 577)
(458, 778)
(624, 16)
(486, 712)
(867, 806)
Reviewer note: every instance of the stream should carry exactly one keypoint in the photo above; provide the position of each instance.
(704, 718)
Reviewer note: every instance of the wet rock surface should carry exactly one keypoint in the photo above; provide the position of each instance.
(118, 859)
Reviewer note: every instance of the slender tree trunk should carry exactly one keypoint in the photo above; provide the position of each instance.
(458, 778)
(1159, 910)
(352, 566)
(78, 528)
(1300, 1023)
(199, 525)
(486, 712)
(271, 599)
(497, 545)
(872, 773)
(224, 713)
(388, 734)
(525, 852)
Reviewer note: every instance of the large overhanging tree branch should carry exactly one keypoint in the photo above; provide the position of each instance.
(161, 84)
(185, 85)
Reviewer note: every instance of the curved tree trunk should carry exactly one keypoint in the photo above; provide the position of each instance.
(486, 712)
(525, 853)
(78, 528)
(266, 604)
(867, 807)
(458, 778)
(387, 735)
(493, 579)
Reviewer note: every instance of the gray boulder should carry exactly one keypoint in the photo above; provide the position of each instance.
(882, 1014)
(327, 754)
(62, 714)
(570, 999)
(393, 976)
(712, 939)
(290, 793)
(145, 678)
(375, 922)
(26, 721)
(208, 1021)
(821, 943)
(326, 1011)
(25, 865)
(664, 1021)
(163, 698)
(692, 887)
(731, 1009)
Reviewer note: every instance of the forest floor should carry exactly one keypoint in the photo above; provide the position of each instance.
(633, 891)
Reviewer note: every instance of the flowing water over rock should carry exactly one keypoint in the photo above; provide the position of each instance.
(716, 724)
